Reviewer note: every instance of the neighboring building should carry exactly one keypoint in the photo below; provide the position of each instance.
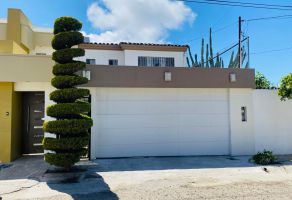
(145, 101)
(135, 54)
(25, 65)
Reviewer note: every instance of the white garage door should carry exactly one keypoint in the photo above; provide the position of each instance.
(159, 122)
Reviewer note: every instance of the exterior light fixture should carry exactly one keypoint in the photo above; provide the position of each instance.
(167, 76)
(232, 77)
(86, 74)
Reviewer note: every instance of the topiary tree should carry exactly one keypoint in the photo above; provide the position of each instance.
(72, 123)
(285, 90)
(261, 81)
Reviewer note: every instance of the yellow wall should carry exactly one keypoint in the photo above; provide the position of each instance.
(11, 47)
(16, 124)
(10, 124)
(6, 90)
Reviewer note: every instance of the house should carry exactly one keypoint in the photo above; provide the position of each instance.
(145, 101)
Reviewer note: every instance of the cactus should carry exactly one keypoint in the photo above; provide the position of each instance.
(191, 57)
(207, 56)
(196, 61)
(202, 54)
(211, 49)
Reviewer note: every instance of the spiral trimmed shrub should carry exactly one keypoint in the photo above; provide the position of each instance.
(65, 143)
(66, 24)
(66, 55)
(68, 95)
(64, 160)
(66, 40)
(71, 122)
(68, 110)
(68, 81)
(68, 68)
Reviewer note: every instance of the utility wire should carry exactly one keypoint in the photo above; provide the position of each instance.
(237, 5)
(268, 18)
(249, 3)
(270, 51)
(215, 31)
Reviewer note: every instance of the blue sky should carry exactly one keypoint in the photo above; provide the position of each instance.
(264, 35)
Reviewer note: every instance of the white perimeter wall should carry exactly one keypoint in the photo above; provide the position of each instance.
(272, 122)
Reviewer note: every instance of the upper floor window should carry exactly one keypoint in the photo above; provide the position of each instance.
(113, 62)
(90, 61)
(155, 61)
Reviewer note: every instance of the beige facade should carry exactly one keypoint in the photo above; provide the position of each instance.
(18, 36)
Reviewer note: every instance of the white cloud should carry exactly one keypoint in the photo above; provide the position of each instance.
(137, 20)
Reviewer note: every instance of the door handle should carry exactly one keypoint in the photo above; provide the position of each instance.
(28, 119)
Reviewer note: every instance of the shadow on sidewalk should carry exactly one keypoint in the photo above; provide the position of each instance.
(82, 182)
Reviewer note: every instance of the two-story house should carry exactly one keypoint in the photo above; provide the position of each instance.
(145, 101)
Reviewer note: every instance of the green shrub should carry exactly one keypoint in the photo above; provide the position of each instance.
(75, 143)
(67, 40)
(68, 110)
(68, 95)
(285, 90)
(65, 160)
(66, 55)
(261, 81)
(69, 126)
(64, 24)
(264, 158)
(68, 68)
(67, 81)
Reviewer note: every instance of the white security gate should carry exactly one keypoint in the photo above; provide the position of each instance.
(159, 122)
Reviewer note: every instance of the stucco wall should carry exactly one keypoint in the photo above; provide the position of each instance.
(241, 132)
(272, 122)
(102, 56)
(16, 68)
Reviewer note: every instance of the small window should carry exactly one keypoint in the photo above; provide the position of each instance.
(112, 62)
(243, 114)
(90, 61)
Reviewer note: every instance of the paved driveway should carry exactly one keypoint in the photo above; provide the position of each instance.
(149, 178)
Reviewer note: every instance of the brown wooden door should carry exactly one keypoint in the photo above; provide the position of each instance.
(33, 114)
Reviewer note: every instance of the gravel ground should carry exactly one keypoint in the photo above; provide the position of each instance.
(157, 179)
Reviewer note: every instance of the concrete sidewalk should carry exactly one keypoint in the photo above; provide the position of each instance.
(216, 177)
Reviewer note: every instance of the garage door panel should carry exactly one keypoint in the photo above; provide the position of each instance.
(135, 94)
(218, 120)
(204, 148)
(146, 149)
(201, 134)
(202, 94)
(136, 121)
(135, 107)
(160, 107)
(160, 122)
(202, 107)
(132, 136)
